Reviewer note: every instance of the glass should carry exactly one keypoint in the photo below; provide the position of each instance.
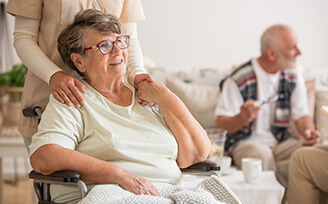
(217, 137)
(107, 46)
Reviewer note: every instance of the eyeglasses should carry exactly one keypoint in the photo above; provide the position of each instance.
(107, 46)
(271, 99)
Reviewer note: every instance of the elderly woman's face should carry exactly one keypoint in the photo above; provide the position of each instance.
(101, 65)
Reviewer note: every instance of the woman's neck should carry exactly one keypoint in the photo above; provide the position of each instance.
(114, 90)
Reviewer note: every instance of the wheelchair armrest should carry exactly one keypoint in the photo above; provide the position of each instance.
(206, 165)
(59, 176)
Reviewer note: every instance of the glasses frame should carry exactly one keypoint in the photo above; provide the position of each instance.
(272, 99)
(113, 42)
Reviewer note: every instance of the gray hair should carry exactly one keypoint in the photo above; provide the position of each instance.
(71, 38)
(271, 37)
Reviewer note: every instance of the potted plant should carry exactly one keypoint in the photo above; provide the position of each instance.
(11, 88)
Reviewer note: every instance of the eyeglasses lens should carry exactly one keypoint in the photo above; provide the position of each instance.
(107, 46)
(123, 42)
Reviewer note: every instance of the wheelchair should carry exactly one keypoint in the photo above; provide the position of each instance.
(41, 183)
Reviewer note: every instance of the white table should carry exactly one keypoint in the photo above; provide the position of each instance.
(267, 191)
(10, 147)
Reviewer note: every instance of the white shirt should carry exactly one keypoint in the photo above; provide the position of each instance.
(231, 100)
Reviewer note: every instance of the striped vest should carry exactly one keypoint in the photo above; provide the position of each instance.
(245, 78)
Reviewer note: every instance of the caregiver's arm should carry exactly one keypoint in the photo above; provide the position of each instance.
(64, 87)
(193, 142)
(50, 158)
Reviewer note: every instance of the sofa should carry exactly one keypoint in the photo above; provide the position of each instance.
(198, 88)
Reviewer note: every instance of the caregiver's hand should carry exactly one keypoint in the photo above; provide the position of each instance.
(66, 89)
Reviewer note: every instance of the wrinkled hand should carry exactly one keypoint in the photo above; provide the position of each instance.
(138, 185)
(311, 137)
(249, 111)
(137, 80)
(153, 92)
(66, 89)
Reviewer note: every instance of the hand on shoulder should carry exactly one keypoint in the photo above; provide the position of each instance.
(67, 89)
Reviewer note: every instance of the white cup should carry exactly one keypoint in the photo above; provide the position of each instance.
(252, 169)
(225, 165)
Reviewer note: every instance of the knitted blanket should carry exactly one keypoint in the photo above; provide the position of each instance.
(211, 190)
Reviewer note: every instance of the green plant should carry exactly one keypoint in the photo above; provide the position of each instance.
(14, 78)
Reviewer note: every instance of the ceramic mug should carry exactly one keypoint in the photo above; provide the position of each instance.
(252, 169)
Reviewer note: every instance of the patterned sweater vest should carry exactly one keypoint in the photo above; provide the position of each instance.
(245, 78)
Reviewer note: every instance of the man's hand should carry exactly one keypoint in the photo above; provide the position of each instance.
(137, 80)
(66, 89)
(312, 137)
(248, 111)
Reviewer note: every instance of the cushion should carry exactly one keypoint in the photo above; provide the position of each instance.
(200, 99)
(321, 118)
(194, 75)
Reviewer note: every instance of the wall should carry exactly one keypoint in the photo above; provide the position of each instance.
(221, 33)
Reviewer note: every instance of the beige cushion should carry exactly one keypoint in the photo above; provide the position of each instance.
(200, 99)
(321, 118)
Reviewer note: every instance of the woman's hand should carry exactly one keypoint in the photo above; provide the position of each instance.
(137, 80)
(92, 170)
(154, 92)
(137, 185)
(142, 77)
(66, 89)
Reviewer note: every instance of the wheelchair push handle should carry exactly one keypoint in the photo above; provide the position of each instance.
(33, 111)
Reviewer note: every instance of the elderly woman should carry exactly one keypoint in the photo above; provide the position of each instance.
(112, 139)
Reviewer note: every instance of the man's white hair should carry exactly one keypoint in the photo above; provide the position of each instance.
(271, 38)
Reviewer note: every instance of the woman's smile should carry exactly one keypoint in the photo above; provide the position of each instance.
(117, 62)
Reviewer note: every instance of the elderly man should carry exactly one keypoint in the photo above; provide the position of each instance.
(258, 100)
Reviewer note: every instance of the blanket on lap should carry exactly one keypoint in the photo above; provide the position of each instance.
(210, 190)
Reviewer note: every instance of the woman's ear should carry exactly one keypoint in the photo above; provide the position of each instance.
(78, 62)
